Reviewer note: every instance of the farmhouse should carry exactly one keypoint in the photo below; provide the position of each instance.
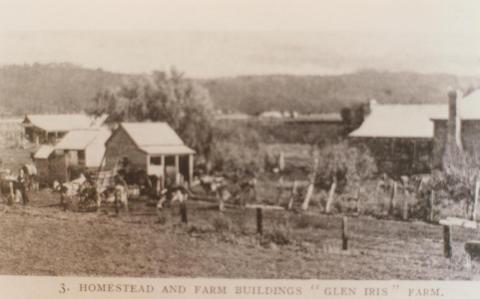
(83, 148)
(408, 139)
(400, 137)
(152, 147)
(49, 128)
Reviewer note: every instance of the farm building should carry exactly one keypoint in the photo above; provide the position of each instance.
(152, 147)
(459, 127)
(83, 148)
(317, 128)
(400, 137)
(407, 139)
(49, 128)
(49, 167)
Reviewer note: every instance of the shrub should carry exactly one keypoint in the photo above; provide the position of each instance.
(347, 165)
(236, 149)
(279, 236)
(222, 224)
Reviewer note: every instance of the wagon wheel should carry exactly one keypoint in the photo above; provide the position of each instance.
(87, 201)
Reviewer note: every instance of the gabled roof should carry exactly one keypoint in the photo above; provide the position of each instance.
(63, 122)
(81, 139)
(468, 107)
(43, 152)
(156, 138)
(400, 121)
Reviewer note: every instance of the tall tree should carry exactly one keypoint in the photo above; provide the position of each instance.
(161, 96)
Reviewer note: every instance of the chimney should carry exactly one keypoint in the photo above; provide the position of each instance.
(454, 128)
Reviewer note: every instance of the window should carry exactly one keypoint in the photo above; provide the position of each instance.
(169, 160)
(81, 157)
(156, 161)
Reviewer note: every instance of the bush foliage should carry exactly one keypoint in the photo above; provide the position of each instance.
(348, 165)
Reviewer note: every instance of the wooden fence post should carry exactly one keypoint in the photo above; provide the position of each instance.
(281, 161)
(183, 212)
(292, 196)
(259, 221)
(405, 205)
(311, 184)
(331, 195)
(432, 204)
(344, 233)
(475, 202)
(392, 198)
(359, 202)
(447, 241)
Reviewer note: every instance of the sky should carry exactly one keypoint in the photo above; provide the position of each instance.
(210, 38)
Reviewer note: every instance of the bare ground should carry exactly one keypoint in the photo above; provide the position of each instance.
(41, 239)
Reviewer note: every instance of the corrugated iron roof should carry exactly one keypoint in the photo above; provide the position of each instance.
(80, 139)
(43, 152)
(63, 122)
(156, 138)
(400, 121)
(152, 133)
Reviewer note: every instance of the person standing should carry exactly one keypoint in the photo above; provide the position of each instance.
(22, 186)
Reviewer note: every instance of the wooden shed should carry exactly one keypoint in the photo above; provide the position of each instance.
(153, 147)
(84, 148)
(41, 159)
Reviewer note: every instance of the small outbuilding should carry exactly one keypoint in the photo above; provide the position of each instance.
(41, 159)
(50, 128)
(153, 147)
(84, 148)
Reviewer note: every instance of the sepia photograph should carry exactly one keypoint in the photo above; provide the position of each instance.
(280, 140)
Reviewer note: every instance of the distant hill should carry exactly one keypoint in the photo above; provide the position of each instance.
(43, 88)
(254, 94)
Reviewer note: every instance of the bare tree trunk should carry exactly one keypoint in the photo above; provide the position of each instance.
(331, 194)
